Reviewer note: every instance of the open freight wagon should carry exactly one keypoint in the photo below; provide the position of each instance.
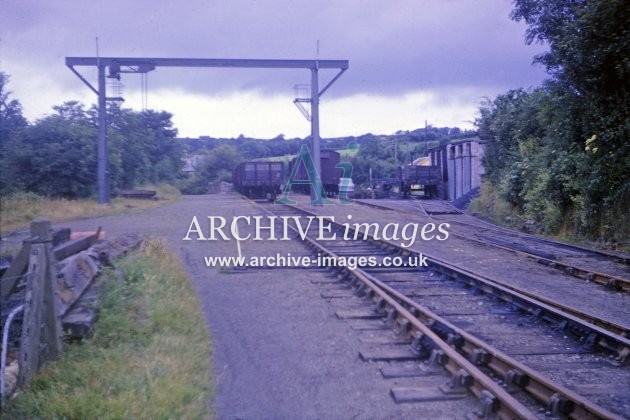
(259, 179)
(420, 180)
(331, 175)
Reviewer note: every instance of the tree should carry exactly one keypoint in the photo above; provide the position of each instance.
(561, 151)
(143, 148)
(11, 118)
(56, 155)
(11, 123)
(588, 40)
(219, 163)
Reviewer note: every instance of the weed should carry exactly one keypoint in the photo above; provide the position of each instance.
(149, 356)
(19, 209)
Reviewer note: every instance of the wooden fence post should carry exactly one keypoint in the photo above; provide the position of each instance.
(41, 328)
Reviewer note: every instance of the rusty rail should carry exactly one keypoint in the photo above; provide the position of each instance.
(458, 347)
(608, 280)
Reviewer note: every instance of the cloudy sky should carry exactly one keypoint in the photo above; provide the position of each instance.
(410, 60)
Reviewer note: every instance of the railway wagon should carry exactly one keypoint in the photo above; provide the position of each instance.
(418, 179)
(259, 179)
(330, 175)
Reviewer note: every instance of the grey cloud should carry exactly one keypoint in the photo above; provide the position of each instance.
(393, 47)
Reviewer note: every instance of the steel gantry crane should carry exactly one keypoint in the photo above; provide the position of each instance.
(118, 65)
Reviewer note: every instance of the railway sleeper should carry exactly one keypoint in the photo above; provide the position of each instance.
(594, 342)
(590, 339)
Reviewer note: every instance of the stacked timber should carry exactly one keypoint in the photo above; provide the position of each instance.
(52, 282)
(144, 194)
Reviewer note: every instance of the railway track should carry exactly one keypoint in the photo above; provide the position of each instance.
(494, 339)
(611, 270)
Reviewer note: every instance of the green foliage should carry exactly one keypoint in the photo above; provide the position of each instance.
(11, 118)
(215, 166)
(384, 156)
(560, 153)
(53, 157)
(219, 163)
(491, 205)
(149, 356)
(20, 208)
(56, 155)
(143, 147)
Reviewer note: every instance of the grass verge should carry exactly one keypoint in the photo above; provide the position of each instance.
(149, 356)
(18, 210)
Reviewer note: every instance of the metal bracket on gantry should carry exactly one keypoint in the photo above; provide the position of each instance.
(118, 65)
(303, 94)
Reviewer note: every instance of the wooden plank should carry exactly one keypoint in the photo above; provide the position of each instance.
(78, 322)
(336, 295)
(385, 339)
(396, 371)
(387, 354)
(18, 267)
(410, 395)
(146, 194)
(60, 236)
(368, 325)
(357, 314)
(76, 273)
(76, 246)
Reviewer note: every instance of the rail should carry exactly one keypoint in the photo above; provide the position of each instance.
(459, 346)
(610, 281)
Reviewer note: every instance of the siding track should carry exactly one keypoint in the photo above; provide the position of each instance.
(521, 355)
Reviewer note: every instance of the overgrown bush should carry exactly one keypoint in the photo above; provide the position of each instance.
(560, 153)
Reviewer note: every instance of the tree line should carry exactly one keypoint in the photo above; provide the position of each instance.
(383, 154)
(560, 153)
(56, 155)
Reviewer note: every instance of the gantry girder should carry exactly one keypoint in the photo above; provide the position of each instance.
(118, 65)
